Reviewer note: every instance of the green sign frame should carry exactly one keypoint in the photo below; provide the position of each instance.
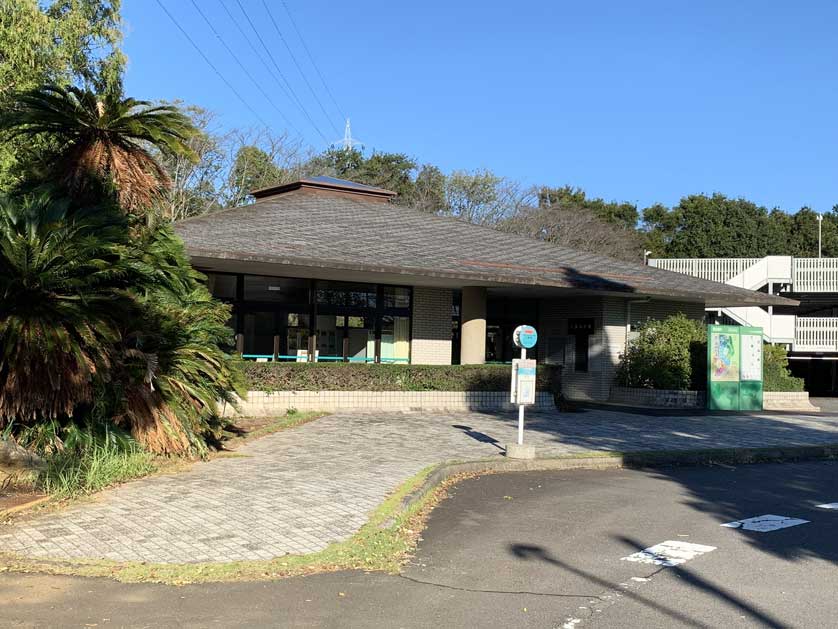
(734, 368)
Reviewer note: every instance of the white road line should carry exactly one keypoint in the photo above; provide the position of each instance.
(669, 553)
(829, 505)
(765, 523)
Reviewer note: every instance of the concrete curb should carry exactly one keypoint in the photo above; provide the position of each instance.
(617, 460)
(23, 506)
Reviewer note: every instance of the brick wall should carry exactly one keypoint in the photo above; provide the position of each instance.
(606, 345)
(431, 342)
(262, 404)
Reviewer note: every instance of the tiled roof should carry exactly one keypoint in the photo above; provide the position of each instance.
(307, 227)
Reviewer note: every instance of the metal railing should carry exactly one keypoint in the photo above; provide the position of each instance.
(715, 269)
(816, 334)
(815, 275)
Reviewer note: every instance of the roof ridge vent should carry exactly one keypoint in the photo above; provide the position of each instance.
(323, 182)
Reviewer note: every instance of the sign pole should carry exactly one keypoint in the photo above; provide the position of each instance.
(521, 408)
(523, 388)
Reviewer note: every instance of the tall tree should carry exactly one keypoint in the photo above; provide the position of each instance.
(578, 228)
(429, 190)
(392, 171)
(62, 41)
(482, 197)
(623, 214)
(195, 179)
(714, 226)
(252, 169)
(58, 41)
(101, 139)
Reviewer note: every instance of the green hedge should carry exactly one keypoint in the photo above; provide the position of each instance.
(355, 377)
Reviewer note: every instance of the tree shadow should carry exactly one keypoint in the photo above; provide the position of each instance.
(788, 489)
(531, 552)
(528, 552)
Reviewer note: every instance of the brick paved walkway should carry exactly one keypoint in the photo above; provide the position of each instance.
(297, 490)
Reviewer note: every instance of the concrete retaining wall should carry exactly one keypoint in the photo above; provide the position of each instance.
(261, 403)
(772, 400)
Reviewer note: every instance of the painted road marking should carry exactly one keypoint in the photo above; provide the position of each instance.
(669, 553)
(765, 523)
(829, 505)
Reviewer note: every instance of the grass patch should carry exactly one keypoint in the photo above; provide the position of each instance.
(73, 473)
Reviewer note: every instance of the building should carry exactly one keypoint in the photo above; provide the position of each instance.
(809, 330)
(330, 270)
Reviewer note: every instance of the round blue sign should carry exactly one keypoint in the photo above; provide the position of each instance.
(525, 336)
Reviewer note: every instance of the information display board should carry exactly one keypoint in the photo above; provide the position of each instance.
(523, 382)
(734, 368)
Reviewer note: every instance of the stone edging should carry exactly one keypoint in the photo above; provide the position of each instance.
(632, 460)
(660, 398)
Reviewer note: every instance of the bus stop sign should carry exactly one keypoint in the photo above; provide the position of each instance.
(525, 336)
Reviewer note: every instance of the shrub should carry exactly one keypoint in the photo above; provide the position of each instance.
(672, 354)
(775, 370)
(354, 377)
(666, 354)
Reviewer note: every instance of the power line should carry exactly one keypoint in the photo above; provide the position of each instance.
(279, 71)
(210, 64)
(244, 68)
(311, 59)
(254, 49)
(296, 63)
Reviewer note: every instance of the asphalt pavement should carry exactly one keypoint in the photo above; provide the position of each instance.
(535, 549)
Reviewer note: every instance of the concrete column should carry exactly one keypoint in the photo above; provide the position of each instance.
(473, 331)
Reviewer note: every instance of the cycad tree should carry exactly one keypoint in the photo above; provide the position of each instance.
(101, 321)
(63, 286)
(101, 140)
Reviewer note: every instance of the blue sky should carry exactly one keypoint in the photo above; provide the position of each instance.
(637, 101)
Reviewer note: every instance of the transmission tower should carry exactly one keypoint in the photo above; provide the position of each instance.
(348, 142)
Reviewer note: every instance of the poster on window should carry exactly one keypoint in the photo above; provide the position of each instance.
(751, 359)
(724, 357)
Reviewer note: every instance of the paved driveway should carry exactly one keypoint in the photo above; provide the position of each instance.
(297, 490)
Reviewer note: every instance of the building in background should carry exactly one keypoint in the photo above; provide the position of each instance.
(329, 270)
(809, 330)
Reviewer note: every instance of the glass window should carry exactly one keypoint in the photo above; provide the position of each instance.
(297, 320)
(296, 338)
(395, 339)
(345, 294)
(360, 343)
(222, 286)
(279, 289)
(396, 297)
(329, 339)
(259, 334)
